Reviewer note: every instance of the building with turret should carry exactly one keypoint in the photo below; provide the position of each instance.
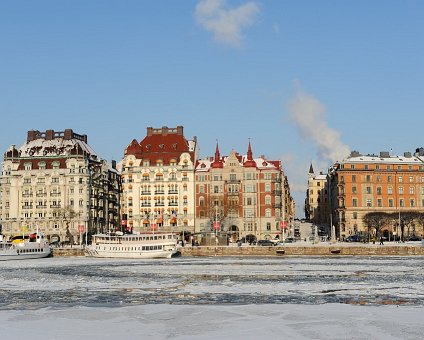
(242, 196)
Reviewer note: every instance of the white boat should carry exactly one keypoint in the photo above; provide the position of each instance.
(32, 247)
(133, 246)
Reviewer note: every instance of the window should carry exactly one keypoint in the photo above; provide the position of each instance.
(55, 180)
(201, 189)
(355, 215)
(401, 203)
(368, 190)
(215, 189)
(400, 190)
(354, 190)
(268, 213)
(354, 202)
(412, 202)
(411, 190)
(369, 203)
(267, 200)
(378, 178)
(353, 178)
(389, 179)
(268, 226)
(411, 179)
(233, 177)
(379, 202)
(28, 166)
(368, 178)
(390, 202)
(267, 187)
(400, 179)
(390, 190)
(378, 190)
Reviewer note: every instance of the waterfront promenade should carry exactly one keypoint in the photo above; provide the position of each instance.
(290, 249)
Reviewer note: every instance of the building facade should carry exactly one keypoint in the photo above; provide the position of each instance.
(317, 209)
(158, 181)
(241, 196)
(388, 189)
(55, 182)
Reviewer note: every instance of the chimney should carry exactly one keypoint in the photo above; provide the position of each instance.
(32, 135)
(384, 154)
(180, 130)
(165, 130)
(49, 135)
(149, 131)
(113, 164)
(69, 134)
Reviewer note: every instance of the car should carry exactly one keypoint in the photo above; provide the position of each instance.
(265, 243)
(413, 238)
(289, 240)
(353, 238)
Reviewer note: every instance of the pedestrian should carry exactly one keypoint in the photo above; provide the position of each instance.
(381, 240)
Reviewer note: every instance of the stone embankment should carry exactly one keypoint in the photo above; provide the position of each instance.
(288, 250)
(308, 250)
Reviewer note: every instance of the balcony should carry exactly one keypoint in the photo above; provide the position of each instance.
(160, 192)
(277, 192)
(172, 191)
(145, 193)
(233, 193)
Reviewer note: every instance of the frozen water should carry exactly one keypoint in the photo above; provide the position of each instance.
(297, 297)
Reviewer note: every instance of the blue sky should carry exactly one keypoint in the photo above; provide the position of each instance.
(306, 81)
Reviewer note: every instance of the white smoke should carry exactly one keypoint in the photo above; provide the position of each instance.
(309, 116)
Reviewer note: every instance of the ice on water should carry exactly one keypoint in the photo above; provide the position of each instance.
(190, 298)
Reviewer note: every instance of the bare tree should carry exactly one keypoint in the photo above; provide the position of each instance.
(376, 220)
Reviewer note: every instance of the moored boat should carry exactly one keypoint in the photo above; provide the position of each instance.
(133, 246)
(32, 247)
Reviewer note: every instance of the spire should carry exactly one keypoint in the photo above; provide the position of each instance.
(217, 155)
(217, 163)
(249, 161)
(311, 169)
(249, 152)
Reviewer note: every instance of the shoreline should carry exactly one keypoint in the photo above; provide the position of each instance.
(293, 249)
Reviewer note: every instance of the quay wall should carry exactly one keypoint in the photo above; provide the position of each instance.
(302, 250)
(392, 250)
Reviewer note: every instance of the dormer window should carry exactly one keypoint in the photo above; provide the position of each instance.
(28, 166)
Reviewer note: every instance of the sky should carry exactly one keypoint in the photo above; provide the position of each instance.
(304, 81)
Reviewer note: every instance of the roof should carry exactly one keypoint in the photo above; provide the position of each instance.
(384, 160)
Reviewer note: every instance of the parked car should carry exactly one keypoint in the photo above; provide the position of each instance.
(265, 243)
(353, 238)
(413, 238)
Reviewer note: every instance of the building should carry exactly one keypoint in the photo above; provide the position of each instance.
(317, 208)
(158, 181)
(55, 182)
(242, 196)
(378, 194)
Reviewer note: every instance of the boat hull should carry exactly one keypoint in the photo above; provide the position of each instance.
(17, 252)
(130, 255)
